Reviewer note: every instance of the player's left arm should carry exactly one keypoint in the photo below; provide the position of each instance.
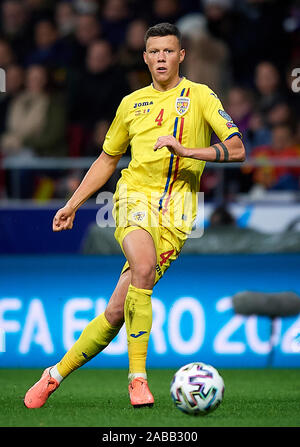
(228, 151)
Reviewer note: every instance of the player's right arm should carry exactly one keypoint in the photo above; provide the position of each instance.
(98, 174)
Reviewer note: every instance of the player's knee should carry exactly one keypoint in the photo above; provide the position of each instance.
(115, 315)
(143, 275)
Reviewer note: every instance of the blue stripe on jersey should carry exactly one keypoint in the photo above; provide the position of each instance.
(182, 92)
(170, 168)
(175, 127)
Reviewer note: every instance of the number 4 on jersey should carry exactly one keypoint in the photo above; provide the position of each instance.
(159, 117)
(165, 256)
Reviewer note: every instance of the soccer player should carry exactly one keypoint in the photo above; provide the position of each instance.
(168, 125)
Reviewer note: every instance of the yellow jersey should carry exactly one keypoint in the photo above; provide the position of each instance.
(190, 112)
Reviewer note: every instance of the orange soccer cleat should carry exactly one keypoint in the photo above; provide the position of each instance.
(139, 393)
(38, 394)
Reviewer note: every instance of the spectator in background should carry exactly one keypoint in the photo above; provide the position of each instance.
(14, 85)
(130, 55)
(282, 148)
(115, 19)
(166, 11)
(280, 113)
(35, 119)
(14, 79)
(227, 43)
(49, 50)
(94, 147)
(297, 137)
(38, 9)
(268, 85)
(235, 29)
(292, 28)
(267, 33)
(87, 30)
(239, 105)
(65, 19)
(86, 6)
(207, 57)
(95, 92)
(39, 5)
(258, 133)
(6, 54)
(67, 184)
(15, 28)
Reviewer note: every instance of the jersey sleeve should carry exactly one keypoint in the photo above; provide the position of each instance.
(117, 137)
(215, 115)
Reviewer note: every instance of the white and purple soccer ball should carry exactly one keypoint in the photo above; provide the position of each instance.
(197, 388)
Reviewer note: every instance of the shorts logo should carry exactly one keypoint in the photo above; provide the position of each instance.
(139, 215)
(182, 105)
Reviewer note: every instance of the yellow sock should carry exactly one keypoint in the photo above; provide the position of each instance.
(94, 338)
(138, 320)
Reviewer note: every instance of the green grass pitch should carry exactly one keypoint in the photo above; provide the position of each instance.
(99, 398)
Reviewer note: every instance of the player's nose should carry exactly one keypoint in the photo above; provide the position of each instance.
(161, 57)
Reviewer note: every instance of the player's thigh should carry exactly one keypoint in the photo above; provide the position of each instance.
(114, 311)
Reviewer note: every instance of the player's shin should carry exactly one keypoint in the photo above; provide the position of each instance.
(138, 320)
(94, 338)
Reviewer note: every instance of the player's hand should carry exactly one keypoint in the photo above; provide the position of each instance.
(63, 219)
(172, 144)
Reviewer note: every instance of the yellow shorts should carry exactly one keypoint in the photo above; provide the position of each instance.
(168, 240)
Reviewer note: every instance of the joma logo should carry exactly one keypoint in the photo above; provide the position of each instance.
(142, 104)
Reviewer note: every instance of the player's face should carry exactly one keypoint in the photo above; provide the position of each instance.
(163, 56)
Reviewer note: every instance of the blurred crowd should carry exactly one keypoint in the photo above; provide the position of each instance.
(69, 63)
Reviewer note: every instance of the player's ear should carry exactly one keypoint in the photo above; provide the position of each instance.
(181, 55)
(145, 57)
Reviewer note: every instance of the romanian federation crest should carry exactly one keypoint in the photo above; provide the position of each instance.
(182, 105)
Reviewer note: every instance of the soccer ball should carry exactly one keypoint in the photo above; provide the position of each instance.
(197, 388)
